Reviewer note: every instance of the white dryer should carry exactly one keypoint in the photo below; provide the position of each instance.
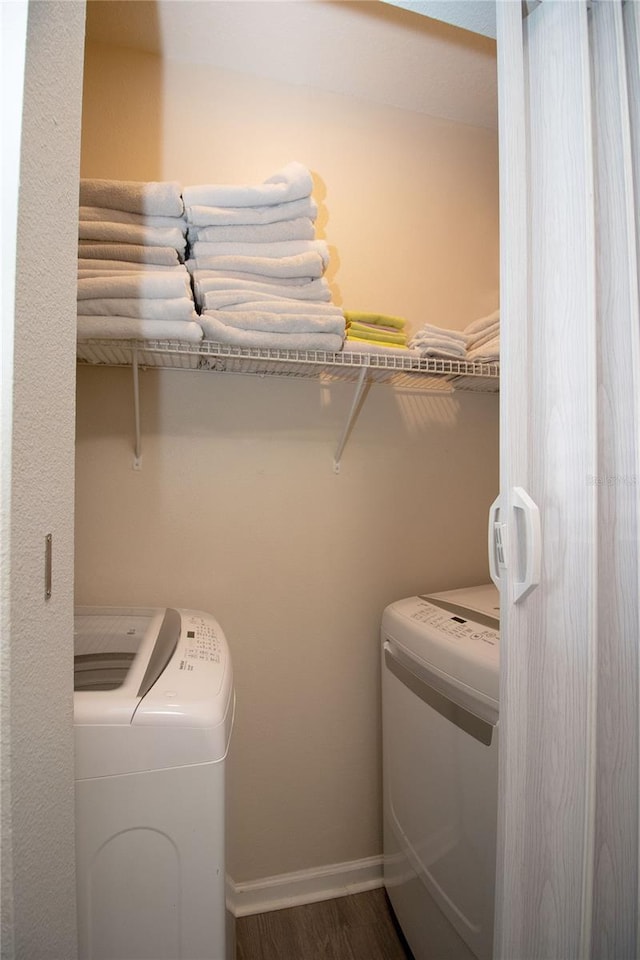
(153, 712)
(440, 695)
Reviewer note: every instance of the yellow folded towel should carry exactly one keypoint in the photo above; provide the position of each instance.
(367, 332)
(377, 343)
(359, 316)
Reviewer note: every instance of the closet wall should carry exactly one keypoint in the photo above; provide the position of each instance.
(42, 49)
(237, 509)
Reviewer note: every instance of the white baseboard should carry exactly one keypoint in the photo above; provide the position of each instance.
(305, 886)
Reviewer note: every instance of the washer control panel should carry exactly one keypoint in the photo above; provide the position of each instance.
(202, 643)
(453, 625)
(195, 687)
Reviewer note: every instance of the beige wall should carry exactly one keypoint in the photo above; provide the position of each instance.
(408, 203)
(237, 509)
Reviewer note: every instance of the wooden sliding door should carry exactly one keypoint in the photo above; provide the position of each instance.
(570, 422)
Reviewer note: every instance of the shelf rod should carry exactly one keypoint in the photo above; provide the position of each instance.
(361, 385)
(137, 447)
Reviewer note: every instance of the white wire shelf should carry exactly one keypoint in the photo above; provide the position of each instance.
(363, 369)
(406, 372)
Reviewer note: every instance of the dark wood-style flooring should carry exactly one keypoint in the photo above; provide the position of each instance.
(358, 927)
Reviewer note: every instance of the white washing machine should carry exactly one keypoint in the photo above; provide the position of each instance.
(153, 712)
(440, 688)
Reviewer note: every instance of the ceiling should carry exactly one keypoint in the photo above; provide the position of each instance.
(476, 15)
(360, 48)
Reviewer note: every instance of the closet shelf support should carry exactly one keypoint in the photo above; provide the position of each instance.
(361, 386)
(137, 446)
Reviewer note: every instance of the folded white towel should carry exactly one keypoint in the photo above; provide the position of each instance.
(285, 248)
(237, 299)
(302, 228)
(240, 275)
(91, 274)
(180, 308)
(351, 346)
(482, 322)
(136, 253)
(201, 215)
(151, 286)
(438, 347)
(292, 182)
(308, 265)
(487, 353)
(100, 214)
(105, 232)
(112, 267)
(439, 353)
(277, 322)
(278, 306)
(428, 330)
(238, 291)
(483, 336)
(162, 199)
(234, 276)
(134, 328)
(241, 300)
(223, 333)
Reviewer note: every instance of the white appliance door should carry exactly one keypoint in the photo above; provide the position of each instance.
(150, 865)
(440, 808)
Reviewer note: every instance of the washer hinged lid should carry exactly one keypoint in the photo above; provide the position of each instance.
(484, 600)
(161, 694)
(112, 651)
(150, 666)
(454, 634)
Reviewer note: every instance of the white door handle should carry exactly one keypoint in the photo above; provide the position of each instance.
(497, 543)
(529, 544)
(524, 546)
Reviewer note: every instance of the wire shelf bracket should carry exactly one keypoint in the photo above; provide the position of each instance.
(418, 374)
(137, 443)
(362, 385)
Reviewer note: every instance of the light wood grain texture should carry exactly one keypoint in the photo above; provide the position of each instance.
(631, 21)
(616, 814)
(548, 641)
(568, 826)
(514, 460)
(558, 821)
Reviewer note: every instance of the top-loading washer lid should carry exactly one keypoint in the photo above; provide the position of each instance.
(483, 600)
(118, 656)
(175, 706)
(105, 647)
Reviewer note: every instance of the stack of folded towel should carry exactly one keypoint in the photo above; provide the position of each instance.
(257, 268)
(132, 280)
(483, 339)
(375, 333)
(437, 342)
